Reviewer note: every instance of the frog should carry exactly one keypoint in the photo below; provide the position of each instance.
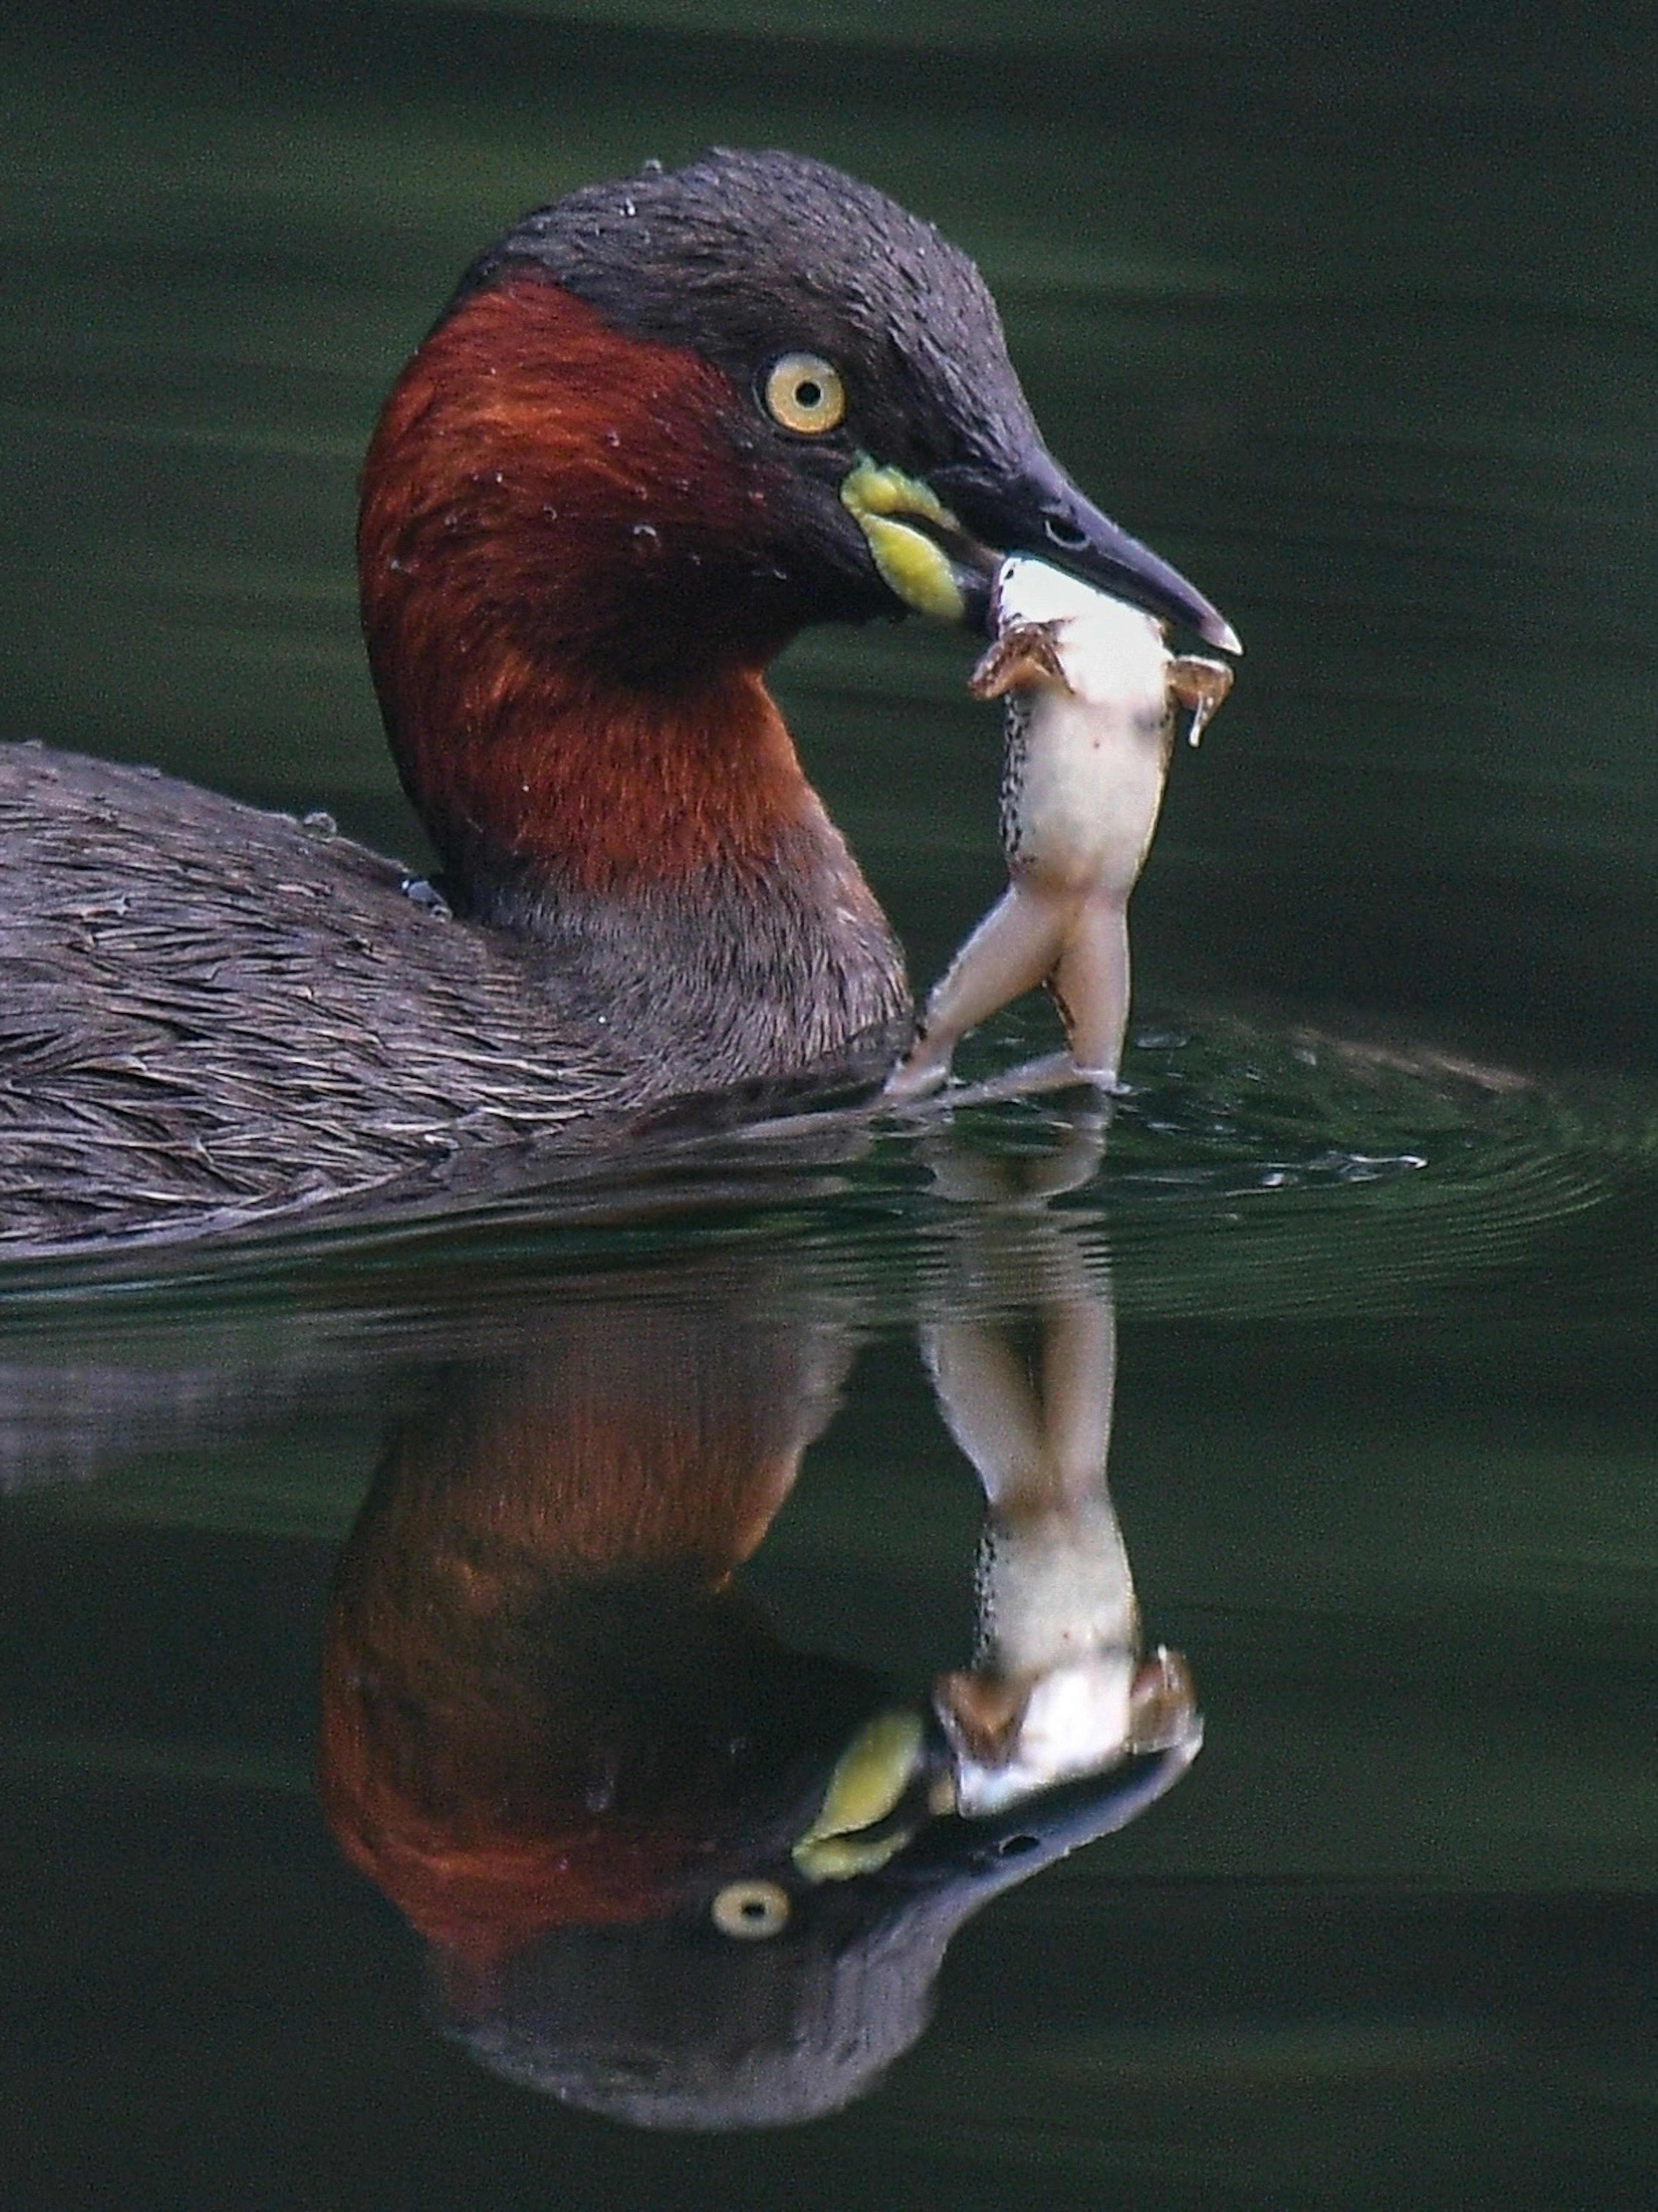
(1092, 694)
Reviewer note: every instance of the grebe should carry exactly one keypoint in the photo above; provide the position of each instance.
(662, 425)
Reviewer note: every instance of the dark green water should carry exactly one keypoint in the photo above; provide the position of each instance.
(1350, 313)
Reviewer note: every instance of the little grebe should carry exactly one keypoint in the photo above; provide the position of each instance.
(662, 425)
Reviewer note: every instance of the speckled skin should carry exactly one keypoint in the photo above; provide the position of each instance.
(1087, 748)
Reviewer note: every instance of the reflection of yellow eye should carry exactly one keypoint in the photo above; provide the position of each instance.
(804, 392)
(752, 1909)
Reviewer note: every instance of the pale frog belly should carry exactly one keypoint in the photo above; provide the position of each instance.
(1082, 793)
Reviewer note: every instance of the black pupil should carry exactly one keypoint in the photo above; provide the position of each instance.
(754, 1908)
(809, 394)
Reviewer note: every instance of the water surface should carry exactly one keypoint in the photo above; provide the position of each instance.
(1344, 322)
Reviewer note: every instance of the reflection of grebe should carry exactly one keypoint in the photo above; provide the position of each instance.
(662, 425)
(667, 1866)
(545, 1704)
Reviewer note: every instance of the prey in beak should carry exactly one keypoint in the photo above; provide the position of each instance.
(1092, 690)
(939, 543)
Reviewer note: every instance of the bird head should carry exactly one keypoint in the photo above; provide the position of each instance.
(706, 406)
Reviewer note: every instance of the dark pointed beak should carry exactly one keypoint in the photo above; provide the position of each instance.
(1036, 509)
(973, 1861)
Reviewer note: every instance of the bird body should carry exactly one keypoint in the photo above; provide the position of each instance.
(209, 1013)
(662, 425)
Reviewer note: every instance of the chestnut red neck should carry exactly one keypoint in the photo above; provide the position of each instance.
(568, 606)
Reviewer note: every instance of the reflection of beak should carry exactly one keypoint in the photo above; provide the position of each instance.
(1036, 509)
(970, 1861)
(902, 1781)
(652, 2023)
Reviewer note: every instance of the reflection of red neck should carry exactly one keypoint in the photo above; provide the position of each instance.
(492, 1757)
(563, 577)
(477, 1882)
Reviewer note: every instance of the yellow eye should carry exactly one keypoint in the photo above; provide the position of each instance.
(752, 1909)
(804, 392)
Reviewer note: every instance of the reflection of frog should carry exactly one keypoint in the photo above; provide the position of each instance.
(1059, 1687)
(1091, 690)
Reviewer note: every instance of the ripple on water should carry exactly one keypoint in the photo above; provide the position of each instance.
(1254, 1171)
(1249, 1170)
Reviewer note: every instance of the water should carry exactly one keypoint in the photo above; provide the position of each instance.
(1344, 323)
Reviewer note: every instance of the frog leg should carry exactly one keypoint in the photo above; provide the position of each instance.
(984, 1392)
(1024, 659)
(1200, 686)
(1090, 986)
(1013, 949)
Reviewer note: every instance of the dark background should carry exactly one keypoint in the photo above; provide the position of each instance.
(1349, 311)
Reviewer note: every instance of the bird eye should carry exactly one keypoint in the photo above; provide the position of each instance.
(804, 394)
(752, 1909)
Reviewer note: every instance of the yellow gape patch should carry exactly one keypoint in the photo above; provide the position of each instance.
(910, 562)
(851, 1834)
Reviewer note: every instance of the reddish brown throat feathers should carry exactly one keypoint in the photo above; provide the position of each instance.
(567, 600)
